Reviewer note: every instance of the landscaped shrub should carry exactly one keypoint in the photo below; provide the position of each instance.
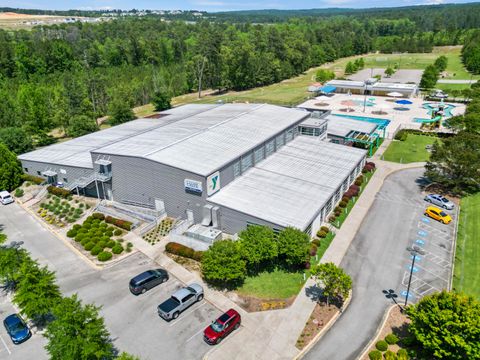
(117, 249)
(401, 135)
(321, 234)
(325, 229)
(316, 242)
(80, 237)
(35, 179)
(19, 192)
(98, 216)
(343, 204)
(84, 242)
(96, 250)
(58, 191)
(332, 218)
(89, 246)
(126, 225)
(104, 256)
(359, 181)
(390, 355)
(337, 212)
(313, 250)
(375, 355)
(72, 233)
(182, 250)
(402, 354)
(391, 339)
(102, 244)
(381, 345)
(109, 233)
(110, 244)
(118, 232)
(307, 265)
(197, 255)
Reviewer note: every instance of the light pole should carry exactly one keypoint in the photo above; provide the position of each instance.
(414, 251)
(390, 294)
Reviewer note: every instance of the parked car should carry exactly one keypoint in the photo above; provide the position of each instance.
(6, 198)
(147, 280)
(440, 200)
(16, 328)
(438, 214)
(221, 327)
(179, 301)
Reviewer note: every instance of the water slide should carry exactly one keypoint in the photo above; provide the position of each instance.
(428, 121)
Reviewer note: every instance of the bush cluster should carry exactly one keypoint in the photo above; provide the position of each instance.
(391, 339)
(375, 355)
(182, 250)
(34, 179)
(19, 192)
(104, 256)
(126, 225)
(58, 191)
(381, 345)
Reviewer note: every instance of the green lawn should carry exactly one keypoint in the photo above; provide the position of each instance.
(467, 259)
(450, 87)
(410, 150)
(278, 284)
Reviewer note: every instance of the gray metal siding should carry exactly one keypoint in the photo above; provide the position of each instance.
(72, 173)
(232, 222)
(141, 181)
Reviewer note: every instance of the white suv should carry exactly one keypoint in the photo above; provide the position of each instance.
(5, 198)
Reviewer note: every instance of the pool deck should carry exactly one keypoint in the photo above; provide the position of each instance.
(398, 119)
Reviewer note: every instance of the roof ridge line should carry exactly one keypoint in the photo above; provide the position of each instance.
(203, 130)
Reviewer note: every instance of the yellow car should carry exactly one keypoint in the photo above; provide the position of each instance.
(438, 214)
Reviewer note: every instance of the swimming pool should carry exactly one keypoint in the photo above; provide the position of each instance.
(383, 123)
(447, 108)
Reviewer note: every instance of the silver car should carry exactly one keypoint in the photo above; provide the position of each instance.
(179, 301)
(440, 201)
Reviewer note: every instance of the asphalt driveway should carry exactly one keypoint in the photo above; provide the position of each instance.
(377, 260)
(133, 323)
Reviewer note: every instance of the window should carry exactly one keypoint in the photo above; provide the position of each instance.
(246, 162)
(270, 148)
(65, 180)
(280, 141)
(188, 297)
(39, 173)
(259, 154)
(236, 169)
(289, 135)
(26, 170)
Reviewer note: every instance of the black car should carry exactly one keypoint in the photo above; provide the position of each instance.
(147, 280)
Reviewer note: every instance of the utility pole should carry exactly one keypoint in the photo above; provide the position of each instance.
(414, 251)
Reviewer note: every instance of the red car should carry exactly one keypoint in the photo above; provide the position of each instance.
(221, 327)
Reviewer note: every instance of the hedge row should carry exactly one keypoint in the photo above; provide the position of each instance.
(403, 134)
(182, 250)
(127, 225)
(58, 191)
(34, 179)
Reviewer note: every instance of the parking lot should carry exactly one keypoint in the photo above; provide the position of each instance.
(132, 321)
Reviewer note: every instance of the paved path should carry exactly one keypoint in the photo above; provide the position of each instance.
(448, 81)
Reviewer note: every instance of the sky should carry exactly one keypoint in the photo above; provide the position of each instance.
(210, 5)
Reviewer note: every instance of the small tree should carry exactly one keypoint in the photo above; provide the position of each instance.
(16, 139)
(10, 262)
(77, 332)
(120, 112)
(258, 245)
(161, 100)
(36, 292)
(126, 356)
(81, 125)
(223, 263)
(324, 75)
(334, 281)
(446, 326)
(293, 246)
(389, 71)
(359, 63)
(350, 68)
(10, 169)
(441, 63)
(429, 77)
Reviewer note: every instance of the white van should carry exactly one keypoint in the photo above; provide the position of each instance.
(5, 197)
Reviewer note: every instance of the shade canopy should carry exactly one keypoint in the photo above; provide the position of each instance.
(394, 94)
(404, 102)
(312, 88)
(348, 103)
(328, 89)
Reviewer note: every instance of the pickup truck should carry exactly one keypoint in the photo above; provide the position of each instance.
(179, 301)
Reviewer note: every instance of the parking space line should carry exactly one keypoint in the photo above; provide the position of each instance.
(431, 273)
(4, 344)
(186, 314)
(198, 332)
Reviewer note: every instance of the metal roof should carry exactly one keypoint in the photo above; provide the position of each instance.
(291, 186)
(340, 126)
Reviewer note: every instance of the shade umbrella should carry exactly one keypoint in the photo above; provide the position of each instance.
(395, 94)
(404, 102)
(348, 104)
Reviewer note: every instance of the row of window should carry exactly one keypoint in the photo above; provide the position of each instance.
(39, 173)
(249, 160)
(312, 131)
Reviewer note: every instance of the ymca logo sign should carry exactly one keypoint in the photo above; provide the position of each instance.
(213, 183)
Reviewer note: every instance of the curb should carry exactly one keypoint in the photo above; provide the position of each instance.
(454, 252)
(325, 329)
(377, 333)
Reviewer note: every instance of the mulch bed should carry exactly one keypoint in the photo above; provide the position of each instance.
(320, 316)
(253, 304)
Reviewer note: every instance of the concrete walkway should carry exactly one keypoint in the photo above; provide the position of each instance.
(448, 81)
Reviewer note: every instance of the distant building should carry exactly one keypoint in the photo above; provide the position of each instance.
(373, 87)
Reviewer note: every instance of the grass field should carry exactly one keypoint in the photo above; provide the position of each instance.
(278, 284)
(450, 87)
(467, 259)
(410, 150)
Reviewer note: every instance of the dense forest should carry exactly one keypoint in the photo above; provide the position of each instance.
(471, 52)
(61, 75)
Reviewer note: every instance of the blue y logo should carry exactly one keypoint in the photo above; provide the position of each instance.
(214, 182)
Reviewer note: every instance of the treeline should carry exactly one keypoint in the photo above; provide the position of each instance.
(471, 52)
(68, 75)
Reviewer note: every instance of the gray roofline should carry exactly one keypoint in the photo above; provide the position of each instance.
(56, 164)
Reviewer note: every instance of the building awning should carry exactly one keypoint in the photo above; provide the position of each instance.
(102, 162)
(49, 173)
(328, 89)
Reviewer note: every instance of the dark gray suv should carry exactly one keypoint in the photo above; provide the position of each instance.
(147, 280)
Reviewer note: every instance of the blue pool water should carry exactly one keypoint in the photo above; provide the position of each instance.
(383, 123)
(447, 108)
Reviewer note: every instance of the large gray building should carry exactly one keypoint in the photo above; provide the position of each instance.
(224, 166)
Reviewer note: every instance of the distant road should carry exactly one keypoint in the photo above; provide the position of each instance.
(446, 81)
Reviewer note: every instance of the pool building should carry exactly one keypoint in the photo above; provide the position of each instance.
(223, 166)
(372, 87)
